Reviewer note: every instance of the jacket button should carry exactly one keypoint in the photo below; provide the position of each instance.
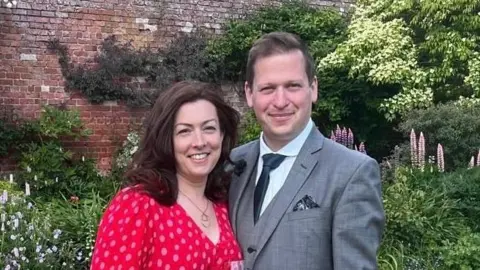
(251, 250)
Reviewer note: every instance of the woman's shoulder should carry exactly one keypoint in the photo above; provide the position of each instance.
(222, 207)
(134, 198)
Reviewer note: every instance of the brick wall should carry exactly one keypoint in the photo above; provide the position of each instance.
(31, 76)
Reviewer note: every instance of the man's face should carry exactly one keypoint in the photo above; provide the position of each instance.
(281, 96)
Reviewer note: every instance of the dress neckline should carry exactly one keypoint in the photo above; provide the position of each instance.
(215, 210)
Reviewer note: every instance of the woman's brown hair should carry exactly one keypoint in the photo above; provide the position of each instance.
(153, 165)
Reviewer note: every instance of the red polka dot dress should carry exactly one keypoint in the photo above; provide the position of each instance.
(138, 233)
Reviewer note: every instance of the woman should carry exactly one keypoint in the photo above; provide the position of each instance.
(173, 214)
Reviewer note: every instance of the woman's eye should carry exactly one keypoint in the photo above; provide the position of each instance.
(211, 128)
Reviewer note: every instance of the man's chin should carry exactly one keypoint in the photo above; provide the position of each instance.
(280, 134)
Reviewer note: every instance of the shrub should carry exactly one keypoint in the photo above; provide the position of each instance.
(115, 72)
(29, 240)
(78, 220)
(250, 129)
(424, 228)
(342, 100)
(462, 186)
(457, 128)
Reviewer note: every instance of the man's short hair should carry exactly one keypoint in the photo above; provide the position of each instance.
(277, 43)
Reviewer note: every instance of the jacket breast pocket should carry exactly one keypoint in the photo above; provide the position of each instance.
(314, 213)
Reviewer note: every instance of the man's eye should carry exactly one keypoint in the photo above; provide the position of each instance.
(266, 89)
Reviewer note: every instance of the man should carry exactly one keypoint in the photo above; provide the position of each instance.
(300, 201)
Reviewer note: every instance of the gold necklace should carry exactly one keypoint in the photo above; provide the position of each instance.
(204, 218)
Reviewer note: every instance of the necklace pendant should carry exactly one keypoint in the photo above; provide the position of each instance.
(205, 220)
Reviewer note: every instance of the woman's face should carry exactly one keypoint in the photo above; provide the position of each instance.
(197, 140)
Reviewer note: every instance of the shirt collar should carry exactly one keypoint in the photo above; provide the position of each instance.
(293, 147)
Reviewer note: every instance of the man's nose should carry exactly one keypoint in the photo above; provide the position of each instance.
(280, 100)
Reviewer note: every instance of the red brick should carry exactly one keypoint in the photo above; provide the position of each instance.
(13, 76)
(51, 71)
(24, 101)
(20, 69)
(26, 75)
(6, 82)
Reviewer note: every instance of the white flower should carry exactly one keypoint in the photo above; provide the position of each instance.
(56, 233)
(38, 249)
(13, 237)
(54, 248)
(15, 252)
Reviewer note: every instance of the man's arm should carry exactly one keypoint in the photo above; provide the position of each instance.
(359, 220)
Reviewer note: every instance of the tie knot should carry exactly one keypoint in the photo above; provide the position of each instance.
(272, 161)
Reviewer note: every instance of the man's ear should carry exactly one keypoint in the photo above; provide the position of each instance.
(314, 87)
(248, 94)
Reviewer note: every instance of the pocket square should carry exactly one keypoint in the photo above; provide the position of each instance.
(305, 203)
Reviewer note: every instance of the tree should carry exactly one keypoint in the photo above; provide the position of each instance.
(429, 49)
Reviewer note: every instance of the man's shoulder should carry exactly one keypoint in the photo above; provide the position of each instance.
(243, 149)
(339, 152)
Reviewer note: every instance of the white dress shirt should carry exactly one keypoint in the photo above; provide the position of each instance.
(279, 175)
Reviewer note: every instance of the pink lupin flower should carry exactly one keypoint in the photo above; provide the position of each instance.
(332, 136)
(471, 163)
(478, 158)
(345, 137)
(440, 160)
(338, 134)
(350, 139)
(413, 148)
(421, 151)
(361, 148)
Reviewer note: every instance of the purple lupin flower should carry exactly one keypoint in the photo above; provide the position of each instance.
(350, 139)
(413, 148)
(440, 160)
(421, 151)
(345, 136)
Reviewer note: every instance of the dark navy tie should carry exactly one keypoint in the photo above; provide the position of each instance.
(270, 163)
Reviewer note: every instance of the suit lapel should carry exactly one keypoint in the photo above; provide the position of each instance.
(239, 183)
(297, 176)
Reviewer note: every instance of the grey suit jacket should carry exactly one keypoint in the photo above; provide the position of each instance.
(343, 233)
